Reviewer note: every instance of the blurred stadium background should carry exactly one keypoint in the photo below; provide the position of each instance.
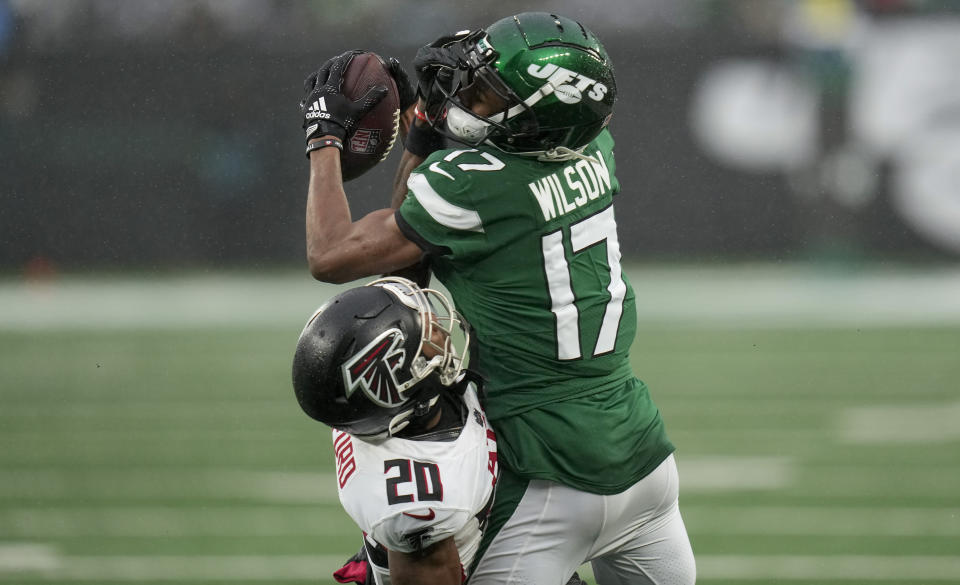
(790, 219)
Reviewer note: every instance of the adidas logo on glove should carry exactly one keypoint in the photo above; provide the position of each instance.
(318, 109)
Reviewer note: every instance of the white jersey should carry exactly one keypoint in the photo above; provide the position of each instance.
(407, 494)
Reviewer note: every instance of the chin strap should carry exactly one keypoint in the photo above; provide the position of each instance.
(420, 408)
(562, 153)
(558, 154)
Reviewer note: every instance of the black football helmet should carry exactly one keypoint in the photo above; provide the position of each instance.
(375, 357)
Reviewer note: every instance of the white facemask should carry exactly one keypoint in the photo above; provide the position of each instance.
(466, 126)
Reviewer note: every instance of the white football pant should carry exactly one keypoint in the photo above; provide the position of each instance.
(636, 537)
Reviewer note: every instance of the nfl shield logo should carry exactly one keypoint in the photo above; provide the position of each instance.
(364, 141)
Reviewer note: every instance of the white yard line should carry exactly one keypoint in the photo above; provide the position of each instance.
(701, 473)
(901, 423)
(152, 435)
(51, 522)
(751, 296)
(169, 522)
(25, 556)
(915, 569)
(185, 407)
(49, 566)
(796, 296)
(173, 484)
(822, 521)
(164, 303)
(178, 568)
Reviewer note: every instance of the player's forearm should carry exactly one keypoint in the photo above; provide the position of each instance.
(328, 214)
(438, 565)
(432, 576)
(339, 249)
(408, 162)
(328, 218)
(358, 252)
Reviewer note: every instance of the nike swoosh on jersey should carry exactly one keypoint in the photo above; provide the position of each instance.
(429, 516)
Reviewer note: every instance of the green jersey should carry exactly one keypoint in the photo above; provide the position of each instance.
(529, 252)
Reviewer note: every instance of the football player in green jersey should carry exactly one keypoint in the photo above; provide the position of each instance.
(517, 221)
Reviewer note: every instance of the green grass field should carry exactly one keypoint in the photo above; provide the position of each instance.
(149, 434)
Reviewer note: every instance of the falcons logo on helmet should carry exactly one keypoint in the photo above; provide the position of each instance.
(374, 368)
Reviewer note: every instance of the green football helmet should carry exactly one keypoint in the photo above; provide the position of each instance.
(551, 72)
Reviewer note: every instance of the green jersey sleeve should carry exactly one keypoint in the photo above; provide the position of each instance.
(440, 211)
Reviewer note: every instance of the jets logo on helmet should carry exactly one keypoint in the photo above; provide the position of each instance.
(568, 86)
(550, 78)
(374, 369)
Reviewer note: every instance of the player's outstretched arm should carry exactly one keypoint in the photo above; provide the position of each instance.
(438, 564)
(339, 249)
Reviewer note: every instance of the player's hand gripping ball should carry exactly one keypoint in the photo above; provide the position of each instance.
(354, 97)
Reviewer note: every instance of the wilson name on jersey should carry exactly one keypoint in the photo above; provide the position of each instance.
(408, 494)
(530, 253)
(529, 250)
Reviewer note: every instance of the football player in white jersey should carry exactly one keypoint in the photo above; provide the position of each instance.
(416, 459)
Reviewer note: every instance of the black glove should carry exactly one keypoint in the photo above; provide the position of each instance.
(435, 64)
(325, 109)
(407, 94)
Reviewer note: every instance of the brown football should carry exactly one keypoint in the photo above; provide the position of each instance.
(377, 131)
